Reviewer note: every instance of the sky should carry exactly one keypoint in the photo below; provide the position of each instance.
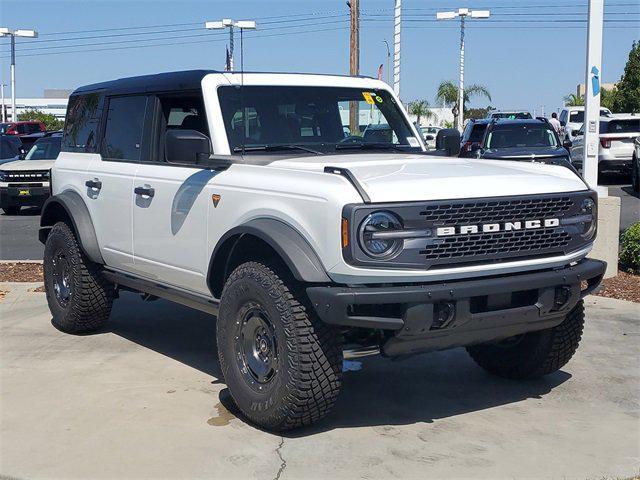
(529, 54)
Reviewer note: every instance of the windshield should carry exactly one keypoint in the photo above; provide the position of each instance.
(4, 127)
(512, 115)
(319, 118)
(523, 135)
(45, 149)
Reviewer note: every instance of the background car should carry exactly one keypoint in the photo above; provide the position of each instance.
(10, 148)
(22, 128)
(616, 147)
(635, 166)
(429, 134)
(472, 136)
(531, 140)
(572, 118)
(510, 114)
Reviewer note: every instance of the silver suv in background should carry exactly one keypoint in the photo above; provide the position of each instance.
(572, 118)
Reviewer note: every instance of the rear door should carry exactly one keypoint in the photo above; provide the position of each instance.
(619, 137)
(170, 208)
(109, 182)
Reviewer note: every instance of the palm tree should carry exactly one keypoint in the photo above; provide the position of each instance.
(421, 109)
(448, 94)
(573, 100)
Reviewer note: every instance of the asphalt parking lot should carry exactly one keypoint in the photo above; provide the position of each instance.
(144, 399)
(19, 233)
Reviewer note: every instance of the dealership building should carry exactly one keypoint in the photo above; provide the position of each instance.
(54, 101)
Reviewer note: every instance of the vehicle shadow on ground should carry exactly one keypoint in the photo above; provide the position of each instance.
(382, 392)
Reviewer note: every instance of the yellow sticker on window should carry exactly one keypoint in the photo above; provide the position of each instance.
(368, 97)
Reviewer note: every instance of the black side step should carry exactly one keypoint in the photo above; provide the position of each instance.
(199, 302)
(346, 173)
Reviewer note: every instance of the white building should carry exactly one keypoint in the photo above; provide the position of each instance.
(441, 116)
(55, 106)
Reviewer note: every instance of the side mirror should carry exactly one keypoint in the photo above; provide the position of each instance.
(448, 139)
(575, 133)
(475, 147)
(429, 137)
(186, 146)
(567, 144)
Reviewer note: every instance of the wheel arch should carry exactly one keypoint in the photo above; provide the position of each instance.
(276, 239)
(69, 207)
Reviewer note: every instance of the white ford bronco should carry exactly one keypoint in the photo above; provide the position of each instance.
(304, 212)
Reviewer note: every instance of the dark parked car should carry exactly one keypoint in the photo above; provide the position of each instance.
(531, 140)
(472, 136)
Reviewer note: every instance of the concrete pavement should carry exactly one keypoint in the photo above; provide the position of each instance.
(143, 399)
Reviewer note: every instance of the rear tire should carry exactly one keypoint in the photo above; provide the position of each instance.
(533, 354)
(282, 365)
(79, 297)
(14, 210)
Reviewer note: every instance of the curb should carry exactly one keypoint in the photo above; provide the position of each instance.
(20, 261)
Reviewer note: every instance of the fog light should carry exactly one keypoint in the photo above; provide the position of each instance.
(561, 298)
(443, 314)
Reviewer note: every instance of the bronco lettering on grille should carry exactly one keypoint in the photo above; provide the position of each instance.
(497, 227)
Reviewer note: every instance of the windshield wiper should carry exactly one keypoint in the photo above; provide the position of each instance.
(274, 148)
(372, 146)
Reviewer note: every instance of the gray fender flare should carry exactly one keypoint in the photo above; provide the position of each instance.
(288, 243)
(78, 213)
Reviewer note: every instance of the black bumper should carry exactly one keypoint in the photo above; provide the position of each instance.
(23, 196)
(480, 310)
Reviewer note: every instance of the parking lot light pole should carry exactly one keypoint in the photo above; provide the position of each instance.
(230, 24)
(462, 13)
(5, 32)
(3, 113)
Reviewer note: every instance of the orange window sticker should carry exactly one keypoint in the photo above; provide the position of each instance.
(368, 97)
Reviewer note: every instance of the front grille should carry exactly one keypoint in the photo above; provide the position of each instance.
(27, 176)
(522, 242)
(455, 248)
(478, 212)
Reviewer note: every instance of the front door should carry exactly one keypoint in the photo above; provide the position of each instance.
(170, 208)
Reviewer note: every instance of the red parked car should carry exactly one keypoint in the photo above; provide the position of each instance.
(22, 128)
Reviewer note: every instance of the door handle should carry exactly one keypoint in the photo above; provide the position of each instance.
(146, 191)
(95, 184)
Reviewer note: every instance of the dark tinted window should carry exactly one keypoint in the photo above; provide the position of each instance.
(7, 149)
(620, 126)
(4, 127)
(81, 125)
(521, 135)
(124, 127)
(477, 132)
(45, 149)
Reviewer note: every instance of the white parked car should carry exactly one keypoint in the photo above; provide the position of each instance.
(429, 134)
(616, 146)
(241, 196)
(572, 118)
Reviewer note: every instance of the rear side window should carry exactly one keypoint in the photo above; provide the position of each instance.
(620, 126)
(477, 132)
(7, 149)
(124, 128)
(81, 125)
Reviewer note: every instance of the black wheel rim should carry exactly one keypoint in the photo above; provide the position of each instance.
(256, 346)
(62, 284)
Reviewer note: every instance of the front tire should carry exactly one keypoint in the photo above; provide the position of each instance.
(533, 354)
(79, 297)
(282, 365)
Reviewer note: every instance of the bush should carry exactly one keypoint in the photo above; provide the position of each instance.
(630, 248)
(49, 120)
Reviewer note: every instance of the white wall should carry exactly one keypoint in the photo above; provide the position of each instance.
(55, 106)
(442, 115)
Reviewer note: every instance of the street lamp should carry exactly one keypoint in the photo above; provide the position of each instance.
(5, 32)
(230, 24)
(462, 13)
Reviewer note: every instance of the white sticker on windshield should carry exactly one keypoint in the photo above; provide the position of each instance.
(413, 141)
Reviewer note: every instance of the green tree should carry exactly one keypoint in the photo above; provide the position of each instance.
(421, 109)
(627, 98)
(448, 94)
(49, 120)
(573, 100)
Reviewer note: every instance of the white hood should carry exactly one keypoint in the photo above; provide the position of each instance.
(27, 165)
(400, 177)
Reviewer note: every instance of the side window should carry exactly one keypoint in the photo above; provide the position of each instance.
(124, 128)
(82, 121)
(22, 129)
(563, 117)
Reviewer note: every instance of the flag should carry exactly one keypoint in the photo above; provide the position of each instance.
(227, 65)
(380, 72)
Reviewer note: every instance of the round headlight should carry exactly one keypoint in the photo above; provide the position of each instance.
(371, 235)
(589, 207)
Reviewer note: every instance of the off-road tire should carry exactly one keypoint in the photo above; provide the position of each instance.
(14, 210)
(307, 378)
(535, 353)
(89, 303)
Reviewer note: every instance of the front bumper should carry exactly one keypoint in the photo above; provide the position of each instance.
(481, 310)
(24, 195)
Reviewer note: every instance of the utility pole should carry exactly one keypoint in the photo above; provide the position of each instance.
(5, 32)
(592, 80)
(463, 13)
(354, 61)
(3, 114)
(396, 46)
(231, 24)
